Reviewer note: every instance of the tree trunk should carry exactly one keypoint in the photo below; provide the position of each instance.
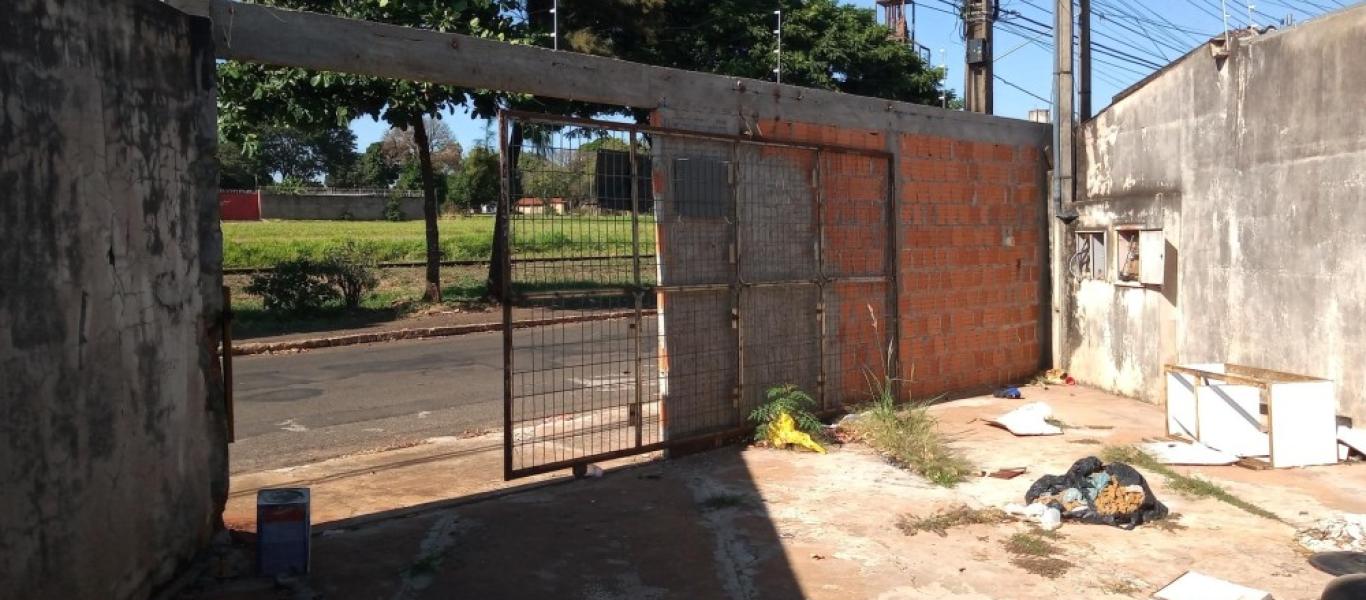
(501, 225)
(424, 159)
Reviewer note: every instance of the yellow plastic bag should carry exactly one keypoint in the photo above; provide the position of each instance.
(782, 432)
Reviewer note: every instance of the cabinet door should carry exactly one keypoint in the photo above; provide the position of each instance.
(1152, 257)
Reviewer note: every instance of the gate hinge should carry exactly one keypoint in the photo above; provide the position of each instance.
(734, 318)
(820, 308)
(732, 253)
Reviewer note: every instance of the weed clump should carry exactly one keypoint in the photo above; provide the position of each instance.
(1183, 484)
(910, 437)
(941, 521)
(1036, 555)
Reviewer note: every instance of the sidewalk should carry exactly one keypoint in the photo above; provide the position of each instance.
(760, 523)
(435, 324)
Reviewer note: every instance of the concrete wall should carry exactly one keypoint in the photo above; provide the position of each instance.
(333, 207)
(1253, 166)
(112, 439)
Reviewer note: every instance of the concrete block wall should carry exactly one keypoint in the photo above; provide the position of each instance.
(113, 454)
(972, 275)
(334, 207)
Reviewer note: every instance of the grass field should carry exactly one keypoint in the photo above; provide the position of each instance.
(265, 243)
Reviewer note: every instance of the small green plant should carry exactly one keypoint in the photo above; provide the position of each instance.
(294, 287)
(791, 400)
(908, 435)
(393, 208)
(351, 269)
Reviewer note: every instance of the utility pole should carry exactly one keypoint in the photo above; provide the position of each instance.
(977, 86)
(779, 50)
(1063, 132)
(1084, 91)
(555, 31)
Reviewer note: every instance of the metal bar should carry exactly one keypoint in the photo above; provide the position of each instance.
(505, 208)
(686, 134)
(446, 263)
(635, 410)
(737, 290)
(737, 432)
(893, 282)
(1229, 377)
(783, 283)
(860, 279)
(818, 196)
(227, 364)
(693, 287)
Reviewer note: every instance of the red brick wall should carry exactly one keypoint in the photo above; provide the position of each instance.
(969, 227)
(971, 218)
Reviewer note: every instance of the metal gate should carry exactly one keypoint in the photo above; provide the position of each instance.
(674, 277)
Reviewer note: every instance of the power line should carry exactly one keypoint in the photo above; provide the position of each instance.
(1049, 49)
(1031, 94)
(1098, 47)
(1153, 58)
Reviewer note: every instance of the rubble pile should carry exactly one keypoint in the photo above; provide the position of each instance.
(1345, 532)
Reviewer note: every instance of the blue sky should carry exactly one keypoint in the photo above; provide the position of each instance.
(1137, 37)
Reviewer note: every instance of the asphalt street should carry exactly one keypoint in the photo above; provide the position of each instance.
(293, 409)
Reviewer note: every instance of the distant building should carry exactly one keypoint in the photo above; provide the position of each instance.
(540, 206)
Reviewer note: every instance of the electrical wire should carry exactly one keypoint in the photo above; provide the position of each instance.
(1025, 91)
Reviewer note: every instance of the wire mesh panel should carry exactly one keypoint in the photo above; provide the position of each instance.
(675, 278)
(580, 226)
(856, 230)
(695, 233)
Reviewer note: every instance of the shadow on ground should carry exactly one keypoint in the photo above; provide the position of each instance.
(650, 531)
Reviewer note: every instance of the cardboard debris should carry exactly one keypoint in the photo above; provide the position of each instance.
(1029, 419)
(1198, 586)
(1187, 453)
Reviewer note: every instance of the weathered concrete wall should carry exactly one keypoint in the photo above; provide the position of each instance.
(1254, 167)
(112, 437)
(333, 207)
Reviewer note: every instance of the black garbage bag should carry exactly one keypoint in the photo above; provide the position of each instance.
(1094, 492)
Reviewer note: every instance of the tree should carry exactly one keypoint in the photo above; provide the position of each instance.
(826, 44)
(371, 170)
(256, 94)
(478, 181)
(295, 155)
(399, 147)
(303, 155)
(238, 170)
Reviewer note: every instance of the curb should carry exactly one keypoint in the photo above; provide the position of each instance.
(416, 334)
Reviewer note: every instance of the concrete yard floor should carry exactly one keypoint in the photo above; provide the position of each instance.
(762, 523)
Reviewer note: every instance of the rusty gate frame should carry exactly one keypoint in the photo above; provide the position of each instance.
(821, 280)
